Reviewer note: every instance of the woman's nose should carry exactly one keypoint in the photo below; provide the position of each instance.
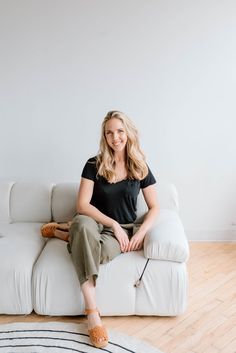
(115, 136)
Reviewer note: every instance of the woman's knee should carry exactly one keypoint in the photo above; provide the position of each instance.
(81, 223)
(83, 229)
(82, 219)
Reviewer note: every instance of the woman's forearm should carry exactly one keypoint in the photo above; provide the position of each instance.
(149, 219)
(93, 212)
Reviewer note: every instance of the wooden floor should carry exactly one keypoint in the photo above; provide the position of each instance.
(209, 324)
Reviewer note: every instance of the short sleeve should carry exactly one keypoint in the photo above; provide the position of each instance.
(148, 180)
(90, 169)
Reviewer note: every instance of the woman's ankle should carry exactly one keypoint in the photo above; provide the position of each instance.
(63, 235)
(94, 319)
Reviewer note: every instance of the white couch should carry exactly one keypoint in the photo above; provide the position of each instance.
(38, 274)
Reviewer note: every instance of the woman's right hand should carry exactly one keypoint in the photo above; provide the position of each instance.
(121, 236)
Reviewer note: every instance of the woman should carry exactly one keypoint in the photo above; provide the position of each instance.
(106, 206)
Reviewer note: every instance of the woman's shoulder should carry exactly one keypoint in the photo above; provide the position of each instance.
(148, 180)
(92, 160)
(90, 169)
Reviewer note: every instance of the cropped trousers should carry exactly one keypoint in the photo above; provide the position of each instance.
(92, 244)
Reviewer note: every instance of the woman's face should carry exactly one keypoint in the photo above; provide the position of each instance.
(116, 135)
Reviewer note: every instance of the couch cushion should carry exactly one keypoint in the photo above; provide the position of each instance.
(64, 197)
(56, 288)
(167, 198)
(163, 289)
(20, 246)
(5, 190)
(167, 239)
(31, 202)
(55, 285)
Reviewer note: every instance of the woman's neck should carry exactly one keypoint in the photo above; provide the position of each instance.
(119, 158)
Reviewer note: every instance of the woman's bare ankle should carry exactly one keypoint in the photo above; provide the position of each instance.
(61, 234)
(94, 320)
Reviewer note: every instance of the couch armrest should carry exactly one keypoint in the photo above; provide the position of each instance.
(167, 239)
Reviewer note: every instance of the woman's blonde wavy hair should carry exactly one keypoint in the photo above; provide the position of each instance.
(135, 159)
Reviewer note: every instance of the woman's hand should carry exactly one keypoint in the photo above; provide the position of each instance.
(121, 236)
(136, 242)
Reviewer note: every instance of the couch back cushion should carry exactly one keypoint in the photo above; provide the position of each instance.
(5, 190)
(43, 202)
(64, 197)
(31, 202)
(167, 198)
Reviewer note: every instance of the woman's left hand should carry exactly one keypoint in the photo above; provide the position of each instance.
(136, 242)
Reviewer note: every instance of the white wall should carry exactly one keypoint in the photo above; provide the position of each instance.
(169, 64)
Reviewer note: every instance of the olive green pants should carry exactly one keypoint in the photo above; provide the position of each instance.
(92, 244)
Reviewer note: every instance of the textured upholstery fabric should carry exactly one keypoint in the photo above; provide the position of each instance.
(5, 189)
(167, 240)
(20, 246)
(31, 202)
(64, 201)
(163, 290)
(54, 284)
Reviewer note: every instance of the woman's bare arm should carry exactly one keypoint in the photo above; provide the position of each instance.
(150, 197)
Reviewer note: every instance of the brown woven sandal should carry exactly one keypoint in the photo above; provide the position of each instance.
(98, 334)
(48, 229)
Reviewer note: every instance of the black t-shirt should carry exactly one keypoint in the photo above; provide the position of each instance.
(116, 200)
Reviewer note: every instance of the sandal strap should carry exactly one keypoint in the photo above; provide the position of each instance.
(91, 311)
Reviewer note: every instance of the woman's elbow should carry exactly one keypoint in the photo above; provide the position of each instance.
(80, 208)
(156, 209)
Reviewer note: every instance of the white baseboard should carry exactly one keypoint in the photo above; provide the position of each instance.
(211, 235)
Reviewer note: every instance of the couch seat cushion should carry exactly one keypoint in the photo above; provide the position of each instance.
(20, 246)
